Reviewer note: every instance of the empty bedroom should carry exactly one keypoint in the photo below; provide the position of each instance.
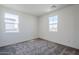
(39, 29)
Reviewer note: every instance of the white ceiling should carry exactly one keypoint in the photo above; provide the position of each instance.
(35, 9)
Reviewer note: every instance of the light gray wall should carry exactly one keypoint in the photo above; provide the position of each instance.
(68, 27)
(30, 27)
(27, 28)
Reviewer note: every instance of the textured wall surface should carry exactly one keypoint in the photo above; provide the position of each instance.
(68, 29)
(27, 27)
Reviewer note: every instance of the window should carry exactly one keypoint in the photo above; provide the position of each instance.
(53, 23)
(11, 22)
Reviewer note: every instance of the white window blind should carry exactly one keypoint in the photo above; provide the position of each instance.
(11, 22)
(53, 23)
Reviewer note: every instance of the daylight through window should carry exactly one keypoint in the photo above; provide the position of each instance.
(11, 22)
(53, 23)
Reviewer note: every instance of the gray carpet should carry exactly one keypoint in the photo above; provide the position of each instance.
(37, 47)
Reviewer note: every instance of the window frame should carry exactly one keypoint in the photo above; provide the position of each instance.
(53, 23)
(11, 24)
